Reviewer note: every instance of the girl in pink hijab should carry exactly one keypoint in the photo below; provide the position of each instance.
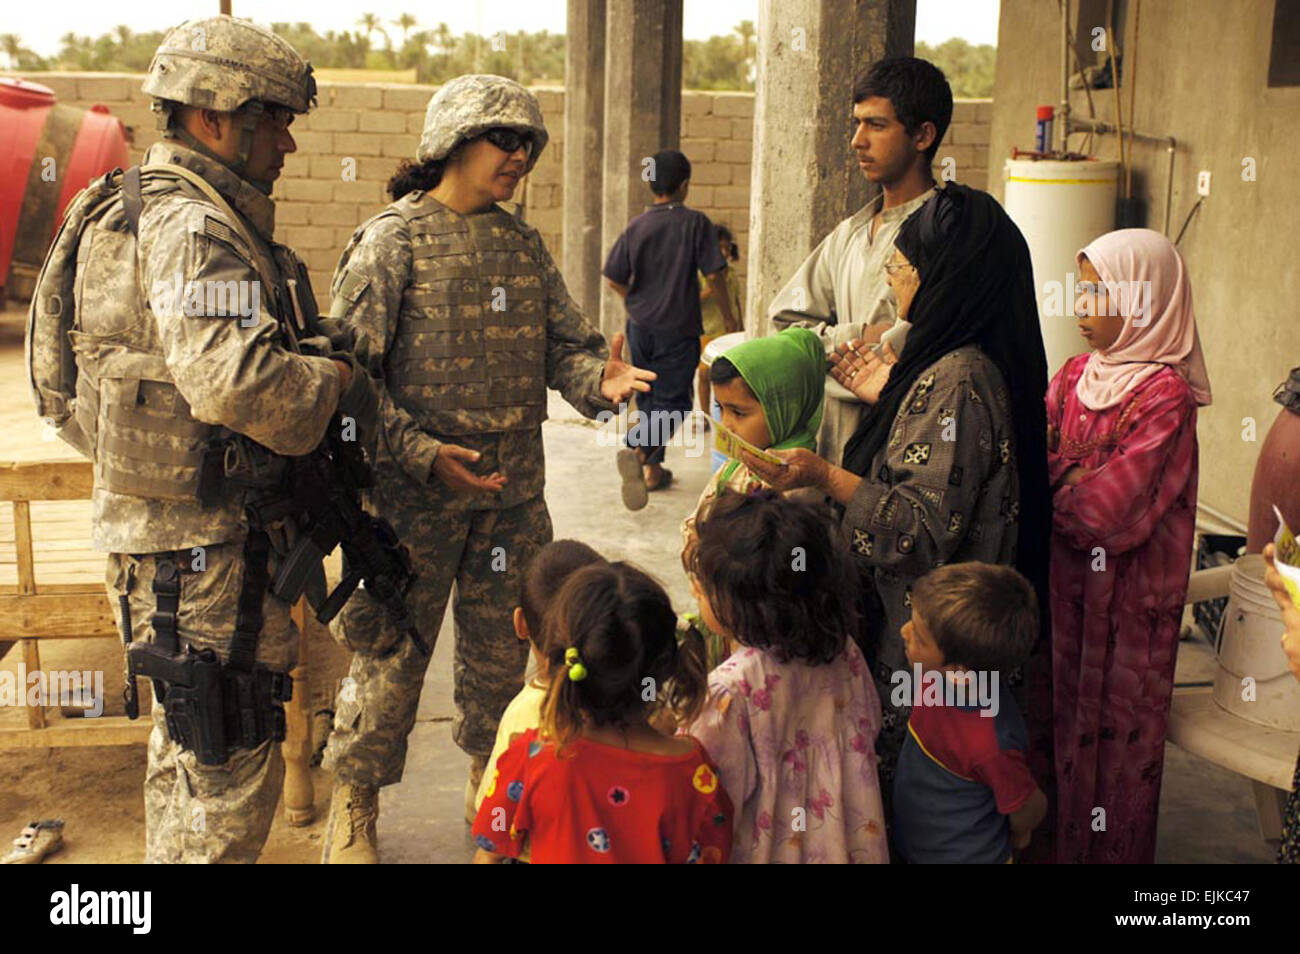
(1122, 459)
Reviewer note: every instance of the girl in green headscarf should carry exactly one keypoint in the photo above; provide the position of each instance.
(771, 391)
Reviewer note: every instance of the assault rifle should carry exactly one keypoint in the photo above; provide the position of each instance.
(324, 495)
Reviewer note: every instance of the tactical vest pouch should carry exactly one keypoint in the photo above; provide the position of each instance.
(147, 443)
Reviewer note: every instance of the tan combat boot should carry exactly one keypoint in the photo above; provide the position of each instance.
(350, 831)
(477, 765)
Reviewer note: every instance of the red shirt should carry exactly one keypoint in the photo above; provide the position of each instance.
(597, 804)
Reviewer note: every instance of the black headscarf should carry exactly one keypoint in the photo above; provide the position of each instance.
(976, 287)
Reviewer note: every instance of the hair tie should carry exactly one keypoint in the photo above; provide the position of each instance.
(577, 671)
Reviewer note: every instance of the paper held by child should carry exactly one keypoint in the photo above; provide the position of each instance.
(1287, 558)
(732, 444)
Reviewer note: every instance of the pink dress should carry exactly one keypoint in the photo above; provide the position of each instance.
(795, 746)
(1121, 552)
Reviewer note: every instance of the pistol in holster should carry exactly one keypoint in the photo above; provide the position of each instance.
(212, 709)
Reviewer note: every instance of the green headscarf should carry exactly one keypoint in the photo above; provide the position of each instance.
(787, 373)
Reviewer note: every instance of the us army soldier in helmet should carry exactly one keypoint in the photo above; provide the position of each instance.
(459, 311)
(187, 403)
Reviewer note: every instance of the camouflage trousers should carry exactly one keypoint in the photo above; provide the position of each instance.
(206, 813)
(483, 552)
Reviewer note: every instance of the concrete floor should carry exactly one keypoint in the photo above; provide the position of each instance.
(1207, 815)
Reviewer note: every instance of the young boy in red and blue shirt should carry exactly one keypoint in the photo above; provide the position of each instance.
(963, 792)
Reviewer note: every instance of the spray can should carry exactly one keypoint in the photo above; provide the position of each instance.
(1043, 133)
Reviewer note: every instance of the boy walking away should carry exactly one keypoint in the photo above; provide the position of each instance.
(654, 266)
(963, 793)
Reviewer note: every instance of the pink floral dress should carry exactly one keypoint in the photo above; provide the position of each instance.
(795, 746)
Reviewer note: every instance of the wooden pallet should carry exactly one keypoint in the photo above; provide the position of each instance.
(70, 602)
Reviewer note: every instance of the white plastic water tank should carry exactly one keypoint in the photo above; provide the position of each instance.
(1060, 207)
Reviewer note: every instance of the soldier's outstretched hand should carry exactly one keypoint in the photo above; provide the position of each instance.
(448, 468)
(621, 378)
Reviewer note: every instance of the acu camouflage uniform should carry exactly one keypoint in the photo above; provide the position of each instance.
(153, 387)
(466, 321)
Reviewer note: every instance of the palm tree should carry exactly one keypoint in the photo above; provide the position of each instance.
(745, 30)
(12, 47)
(444, 39)
(371, 24)
(404, 22)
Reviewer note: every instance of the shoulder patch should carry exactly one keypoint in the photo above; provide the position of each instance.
(352, 285)
(213, 227)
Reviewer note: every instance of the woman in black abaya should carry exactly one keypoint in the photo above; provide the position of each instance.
(951, 464)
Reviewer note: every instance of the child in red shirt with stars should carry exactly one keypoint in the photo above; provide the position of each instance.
(597, 783)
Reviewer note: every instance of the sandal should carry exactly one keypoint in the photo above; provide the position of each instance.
(634, 488)
(664, 481)
(39, 838)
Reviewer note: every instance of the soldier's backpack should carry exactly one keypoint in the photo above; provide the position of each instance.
(51, 364)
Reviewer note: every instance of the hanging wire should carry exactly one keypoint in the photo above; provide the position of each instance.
(1087, 87)
(1187, 221)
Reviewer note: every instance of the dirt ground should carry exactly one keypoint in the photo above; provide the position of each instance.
(97, 791)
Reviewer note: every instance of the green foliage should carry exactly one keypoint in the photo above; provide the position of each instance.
(437, 55)
(720, 62)
(970, 69)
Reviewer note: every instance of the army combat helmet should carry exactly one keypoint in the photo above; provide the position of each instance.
(229, 65)
(470, 105)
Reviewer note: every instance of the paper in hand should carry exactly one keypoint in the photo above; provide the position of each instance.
(732, 444)
(1287, 557)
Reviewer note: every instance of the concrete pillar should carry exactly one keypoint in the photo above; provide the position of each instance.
(805, 179)
(643, 114)
(584, 134)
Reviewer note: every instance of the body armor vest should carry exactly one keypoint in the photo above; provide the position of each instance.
(144, 440)
(469, 355)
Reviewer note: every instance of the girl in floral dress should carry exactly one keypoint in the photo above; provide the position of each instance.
(792, 715)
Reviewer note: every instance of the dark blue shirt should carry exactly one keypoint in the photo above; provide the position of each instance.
(659, 256)
(960, 774)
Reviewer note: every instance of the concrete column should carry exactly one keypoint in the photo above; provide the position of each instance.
(643, 114)
(805, 179)
(584, 135)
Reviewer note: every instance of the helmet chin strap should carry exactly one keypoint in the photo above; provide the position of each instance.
(248, 116)
(246, 119)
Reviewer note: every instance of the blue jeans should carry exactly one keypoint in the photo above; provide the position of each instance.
(674, 357)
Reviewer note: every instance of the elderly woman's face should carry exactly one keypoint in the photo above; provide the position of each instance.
(904, 280)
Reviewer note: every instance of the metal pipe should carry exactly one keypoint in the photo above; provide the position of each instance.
(1107, 129)
(1063, 120)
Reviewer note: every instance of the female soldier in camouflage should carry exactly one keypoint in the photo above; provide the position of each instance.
(464, 319)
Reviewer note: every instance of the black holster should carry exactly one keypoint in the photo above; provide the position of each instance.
(212, 709)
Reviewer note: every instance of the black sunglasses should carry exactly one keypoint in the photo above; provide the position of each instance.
(510, 140)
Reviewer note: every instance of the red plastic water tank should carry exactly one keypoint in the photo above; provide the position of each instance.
(48, 153)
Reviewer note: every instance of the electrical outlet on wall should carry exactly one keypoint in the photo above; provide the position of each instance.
(1203, 182)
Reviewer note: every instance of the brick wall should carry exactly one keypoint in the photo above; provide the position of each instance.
(366, 129)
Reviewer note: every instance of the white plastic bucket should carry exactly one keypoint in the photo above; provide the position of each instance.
(1254, 681)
